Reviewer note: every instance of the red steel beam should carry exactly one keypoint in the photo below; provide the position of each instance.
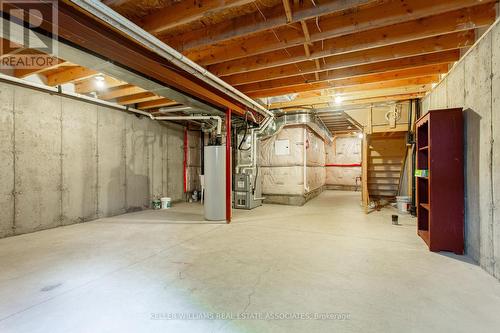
(344, 165)
(185, 158)
(228, 167)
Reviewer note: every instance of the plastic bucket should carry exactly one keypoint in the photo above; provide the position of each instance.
(403, 204)
(166, 203)
(156, 204)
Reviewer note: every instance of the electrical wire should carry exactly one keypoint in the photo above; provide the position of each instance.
(244, 136)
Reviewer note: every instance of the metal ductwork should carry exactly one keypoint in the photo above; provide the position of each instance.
(301, 117)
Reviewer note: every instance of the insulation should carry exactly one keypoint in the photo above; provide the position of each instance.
(281, 158)
(315, 149)
(344, 150)
(193, 162)
(270, 154)
(343, 176)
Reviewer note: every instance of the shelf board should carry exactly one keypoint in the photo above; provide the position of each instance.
(426, 206)
(424, 148)
(420, 177)
(424, 234)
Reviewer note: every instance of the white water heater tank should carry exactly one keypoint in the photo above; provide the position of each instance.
(215, 183)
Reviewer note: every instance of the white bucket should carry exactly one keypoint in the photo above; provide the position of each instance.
(166, 203)
(403, 203)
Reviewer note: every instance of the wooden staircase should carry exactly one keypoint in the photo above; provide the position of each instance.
(384, 157)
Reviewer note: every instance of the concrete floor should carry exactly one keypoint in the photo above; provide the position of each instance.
(129, 273)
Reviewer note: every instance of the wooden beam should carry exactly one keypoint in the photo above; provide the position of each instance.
(329, 99)
(307, 37)
(288, 11)
(138, 98)
(384, 53)
(262, 52)
(115, 3)
(424, 80)
(372, 78)
(183, 12)
(444, 57)
(410, 89)
(81, 29)
(23, 72)
(69, 75)
(260, 20)
(318, 68)
(8, 48)
(121, 91)
(89, 85)
(382, 99)
(156, 104)
(364, 174)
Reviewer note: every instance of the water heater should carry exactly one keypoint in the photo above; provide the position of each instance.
(215, 183)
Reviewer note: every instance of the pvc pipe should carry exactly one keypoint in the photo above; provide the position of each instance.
(185, 158)
(174, 109)
(306, 188)
(219, 120)
(143, 37)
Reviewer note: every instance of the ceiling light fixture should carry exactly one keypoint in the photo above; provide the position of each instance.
(338, 100)
(99, 81)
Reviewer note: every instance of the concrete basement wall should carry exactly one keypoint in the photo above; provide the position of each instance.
(474, 84)
(64, 161)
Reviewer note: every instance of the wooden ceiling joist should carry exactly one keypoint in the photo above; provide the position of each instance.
(185, 11)
(260, 20)
(419, 89)
(24, 72)
(372, 78)
(8, 48)
(345, 34)
(138, 98)
(115, 3)
(384, 53)
(121, 92)
(288, 11)
(82, 28)
(424, 80)
(325, 104)
(69, 75)
(444, 57)
(90, 85)
(156, 104)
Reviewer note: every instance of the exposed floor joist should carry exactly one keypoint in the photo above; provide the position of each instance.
(345, 34)
(371, 78)
(383, 53)
(444, 57)
(260, 20)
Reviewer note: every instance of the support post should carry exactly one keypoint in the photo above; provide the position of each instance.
(228, 167)
(185, 158)
(364, 174)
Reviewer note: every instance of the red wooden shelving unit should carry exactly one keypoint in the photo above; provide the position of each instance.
(440, 195)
